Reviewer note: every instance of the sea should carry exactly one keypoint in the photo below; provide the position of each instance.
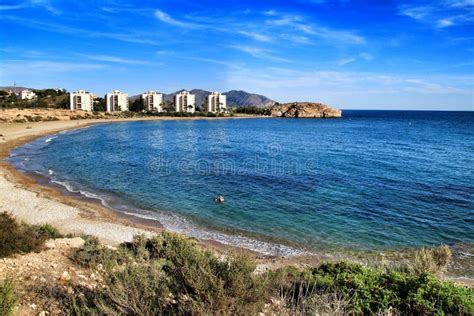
(372, 180)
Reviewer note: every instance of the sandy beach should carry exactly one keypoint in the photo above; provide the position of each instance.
(33, 203)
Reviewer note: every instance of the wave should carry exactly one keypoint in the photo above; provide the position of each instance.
(181, 225)
(50, 139)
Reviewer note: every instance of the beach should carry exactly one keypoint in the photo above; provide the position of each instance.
(33, 203)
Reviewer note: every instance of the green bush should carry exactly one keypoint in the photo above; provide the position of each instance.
(369, 290)
(168, 274)
(7, 298)
(21, 238)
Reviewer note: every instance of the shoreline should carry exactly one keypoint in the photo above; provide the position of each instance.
(37, 201)
(80, 214)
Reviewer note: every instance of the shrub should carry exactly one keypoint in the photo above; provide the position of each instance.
(7, 298)
(434, 260)
(370, 291)
(48, 231)
(92, 253)
(169, 274)
(20, 238)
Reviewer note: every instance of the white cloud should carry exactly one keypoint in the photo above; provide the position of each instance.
(115, 59)
(20, 66)
(164, 17)
(441, 13)
(63, 29)
(361, 90)
(346, 61)
(299, 24)
(256, 36)
(260, 53)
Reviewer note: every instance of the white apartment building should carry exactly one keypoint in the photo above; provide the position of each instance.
(185, 102)
(152, 101)
(116, 101)
(216, 103)
(81, 100)
(27, 95)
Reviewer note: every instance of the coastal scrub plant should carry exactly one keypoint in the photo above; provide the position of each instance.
(172, 274)
(371, 291)
(166, 274)
(22, 238)
(435, 260)
(7, 298)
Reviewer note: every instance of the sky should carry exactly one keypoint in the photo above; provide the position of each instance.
(346, 53)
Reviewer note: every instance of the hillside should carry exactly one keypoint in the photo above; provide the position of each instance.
(16, 89)
(236, 98)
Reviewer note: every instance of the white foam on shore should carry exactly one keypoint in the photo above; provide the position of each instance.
(50, 139)
(172, 222)
(179, 224)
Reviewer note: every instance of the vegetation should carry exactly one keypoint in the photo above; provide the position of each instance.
(370, 291)
(434, 260)
(167, 274)
(137, 105)
(7, 298)
(253, 110)
(21, 238)
(54, 98)
(170, 274)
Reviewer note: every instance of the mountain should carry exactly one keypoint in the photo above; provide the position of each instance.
(242, 98)
(236, 98)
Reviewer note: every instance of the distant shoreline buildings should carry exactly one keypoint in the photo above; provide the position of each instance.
(185, 102)
(152, 101)
(81, 100)
(117, 101)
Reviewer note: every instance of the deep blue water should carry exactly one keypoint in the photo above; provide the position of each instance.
(371, 180)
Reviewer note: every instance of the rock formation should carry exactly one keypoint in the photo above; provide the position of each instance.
(305, 109)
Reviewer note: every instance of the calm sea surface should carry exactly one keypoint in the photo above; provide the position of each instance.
(371, 180)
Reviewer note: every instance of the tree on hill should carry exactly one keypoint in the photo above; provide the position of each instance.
(137, 105)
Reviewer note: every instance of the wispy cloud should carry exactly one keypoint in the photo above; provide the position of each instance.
(345, 61)
(299, 24)
(64, 29)
(21, 66)
(256, 36)
(46, 4)
(357, 89)
(261, 53)
(166, 18)
(115, 59)
(441, 13)
(352, 59)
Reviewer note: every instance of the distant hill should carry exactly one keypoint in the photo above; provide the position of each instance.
(236, 98)
(242, 98)
(16, 89)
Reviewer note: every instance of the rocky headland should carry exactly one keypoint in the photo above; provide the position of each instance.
(305, 109)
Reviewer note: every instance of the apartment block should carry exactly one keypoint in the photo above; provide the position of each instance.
(185, 102)
(81, 100)
(116, 101)
(216, 103)
(153, 101)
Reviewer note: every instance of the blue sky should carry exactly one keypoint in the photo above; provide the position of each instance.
(347, 53)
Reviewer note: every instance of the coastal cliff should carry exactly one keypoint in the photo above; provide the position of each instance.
(305, 109)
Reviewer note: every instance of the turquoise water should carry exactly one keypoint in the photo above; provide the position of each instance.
(371, 180)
